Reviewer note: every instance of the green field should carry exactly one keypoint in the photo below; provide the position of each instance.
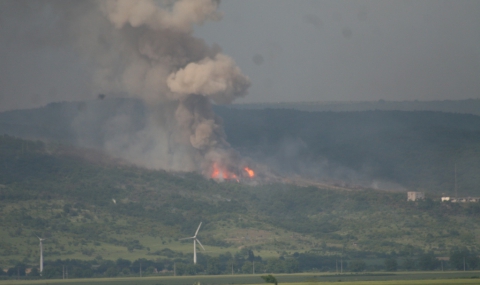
(407, 278)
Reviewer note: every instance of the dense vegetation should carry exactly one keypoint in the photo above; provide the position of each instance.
(414, 150)
(102, 217)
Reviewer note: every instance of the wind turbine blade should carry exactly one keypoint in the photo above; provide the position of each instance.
(200, 244)
(186, 238)
(198, 229)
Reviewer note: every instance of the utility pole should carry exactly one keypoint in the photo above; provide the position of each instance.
(254, 267)
(63, 271)
(341, 265)
(336, 266)
(140, 270)
(174, 270)
(464, 263)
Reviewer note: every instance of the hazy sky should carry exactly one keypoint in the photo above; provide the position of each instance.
(308, 50)
(352, 50)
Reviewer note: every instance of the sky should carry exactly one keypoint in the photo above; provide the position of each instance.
(308, 50)
(314, 50)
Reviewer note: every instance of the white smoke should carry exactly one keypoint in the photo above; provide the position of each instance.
(145, 49)
(218, 78)
(181, 16)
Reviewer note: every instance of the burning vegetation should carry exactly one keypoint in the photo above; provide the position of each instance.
(153, 56)
(223, 173)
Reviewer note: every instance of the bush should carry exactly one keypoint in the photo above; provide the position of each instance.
(270, 279)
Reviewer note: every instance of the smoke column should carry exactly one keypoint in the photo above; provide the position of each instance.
(145, 49)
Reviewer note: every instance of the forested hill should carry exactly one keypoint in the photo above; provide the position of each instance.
(468, 106)
(417, 150)
(103, 210)
(407, 150)
(79, 123)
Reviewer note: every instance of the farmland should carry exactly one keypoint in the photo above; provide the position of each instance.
(427, 278)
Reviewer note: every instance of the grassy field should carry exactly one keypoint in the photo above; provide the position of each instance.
(403, 278)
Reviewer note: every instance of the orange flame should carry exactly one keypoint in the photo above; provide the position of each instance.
(250, 172)
(222, 173)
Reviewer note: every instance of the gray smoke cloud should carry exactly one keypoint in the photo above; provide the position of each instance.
(142, 48)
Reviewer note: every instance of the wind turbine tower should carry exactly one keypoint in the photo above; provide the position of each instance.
(195, 240)
(41, 253)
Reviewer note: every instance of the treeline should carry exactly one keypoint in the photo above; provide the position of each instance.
(243, 262)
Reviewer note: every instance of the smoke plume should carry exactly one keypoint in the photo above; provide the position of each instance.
(146, 49)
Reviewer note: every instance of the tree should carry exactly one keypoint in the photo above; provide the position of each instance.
(357, 265)
(212, 266)
(247, 267)
(151, 270)
(231, 266)
(111, 272)
(391, 264)
(19, 270)
(123, 263)
(270, 279)
(190, 269)
(251, 256)
(291, 265)
(180, 268)
(33, 272)
(126, 271)
(464, 258)
(408, 263)
(51, 272)
(275, 265)
(428, 261)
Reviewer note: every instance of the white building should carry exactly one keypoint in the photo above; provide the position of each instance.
(414, 196)
(461, 199)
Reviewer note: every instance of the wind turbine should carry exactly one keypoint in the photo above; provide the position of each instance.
(41, 253)
(195, 240)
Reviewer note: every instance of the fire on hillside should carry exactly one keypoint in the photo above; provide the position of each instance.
(221, 173)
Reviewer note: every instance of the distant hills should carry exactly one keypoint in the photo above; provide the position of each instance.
(78, 123)
(468, 106)
(391, 150)
(415, 150)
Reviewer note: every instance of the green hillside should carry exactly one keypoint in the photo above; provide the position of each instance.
(414, 150)
(66, 195)
(389, 150)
